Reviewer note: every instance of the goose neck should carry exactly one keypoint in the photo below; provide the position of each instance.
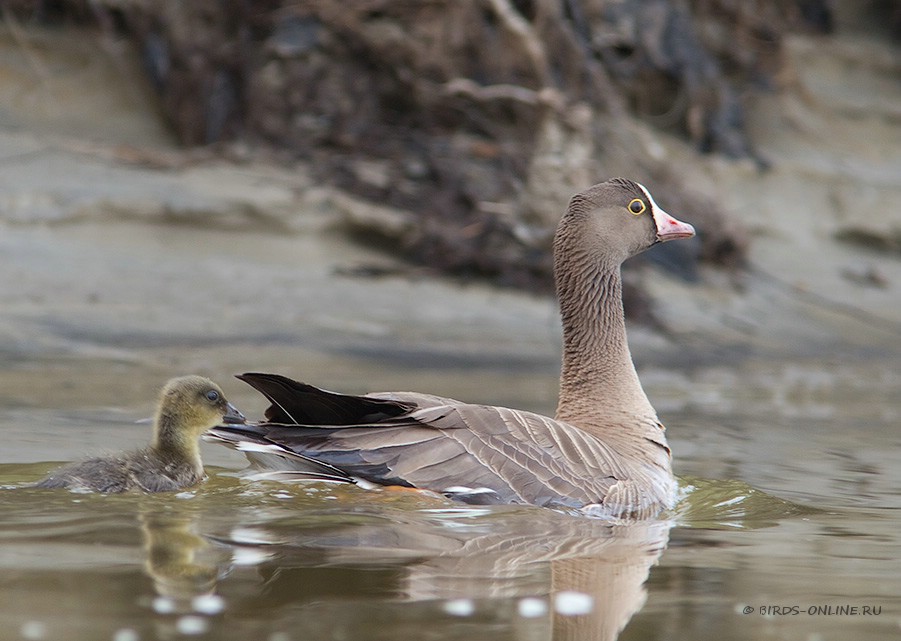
(598, 383)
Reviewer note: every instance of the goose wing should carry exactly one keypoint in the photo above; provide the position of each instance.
(476, 453)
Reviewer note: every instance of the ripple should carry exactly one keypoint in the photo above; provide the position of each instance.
(208, 604)
(33, 630)
(730, 504)
(570, 603)
(531, 607)
(192, 625)
(460, 607)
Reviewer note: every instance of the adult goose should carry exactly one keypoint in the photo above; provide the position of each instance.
(188, 406)
(604, 452)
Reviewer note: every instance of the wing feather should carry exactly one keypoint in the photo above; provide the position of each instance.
(501, 455)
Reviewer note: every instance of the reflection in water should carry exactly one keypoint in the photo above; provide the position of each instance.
(172, 547)
(183, 568)
(570, 577)
(232, 560)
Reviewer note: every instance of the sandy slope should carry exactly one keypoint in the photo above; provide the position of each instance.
(125, 260)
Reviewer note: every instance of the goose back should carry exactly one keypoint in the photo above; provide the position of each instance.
(474, 453)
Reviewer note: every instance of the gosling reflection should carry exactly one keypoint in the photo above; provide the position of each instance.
(179, 560)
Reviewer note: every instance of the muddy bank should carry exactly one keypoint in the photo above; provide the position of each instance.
(127, 259)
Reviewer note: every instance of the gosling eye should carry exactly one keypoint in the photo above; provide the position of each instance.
(637, 206)
(212, 396)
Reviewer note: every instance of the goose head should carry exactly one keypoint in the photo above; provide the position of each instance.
(614, 221)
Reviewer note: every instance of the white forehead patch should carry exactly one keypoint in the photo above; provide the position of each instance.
(656, 212)
(648, 195)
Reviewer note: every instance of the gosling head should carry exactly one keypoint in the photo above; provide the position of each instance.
(616, 220)
(188, 407)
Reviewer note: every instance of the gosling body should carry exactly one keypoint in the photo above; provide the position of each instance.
(188, 406)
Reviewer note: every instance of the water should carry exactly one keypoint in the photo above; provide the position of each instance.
(787, 529)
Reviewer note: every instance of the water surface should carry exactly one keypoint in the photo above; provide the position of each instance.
(789, 513)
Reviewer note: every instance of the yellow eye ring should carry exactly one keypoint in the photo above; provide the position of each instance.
(637, 206)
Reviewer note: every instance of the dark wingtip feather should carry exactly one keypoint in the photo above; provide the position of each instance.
(302, 404)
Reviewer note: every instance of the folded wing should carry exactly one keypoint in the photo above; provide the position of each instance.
(475, 453)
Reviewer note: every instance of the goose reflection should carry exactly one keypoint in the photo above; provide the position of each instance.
(383, 565)
(546, 575)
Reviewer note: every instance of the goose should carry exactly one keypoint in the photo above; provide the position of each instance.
(188, 406)
(604, 453)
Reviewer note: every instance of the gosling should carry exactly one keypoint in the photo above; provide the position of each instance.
(188, 406)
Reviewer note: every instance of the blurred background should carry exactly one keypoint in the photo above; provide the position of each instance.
(430, 139)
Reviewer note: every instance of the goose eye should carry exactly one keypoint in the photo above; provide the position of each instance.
(637, 206)
(212, 396)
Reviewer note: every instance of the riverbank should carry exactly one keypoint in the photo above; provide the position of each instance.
(124, 251)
